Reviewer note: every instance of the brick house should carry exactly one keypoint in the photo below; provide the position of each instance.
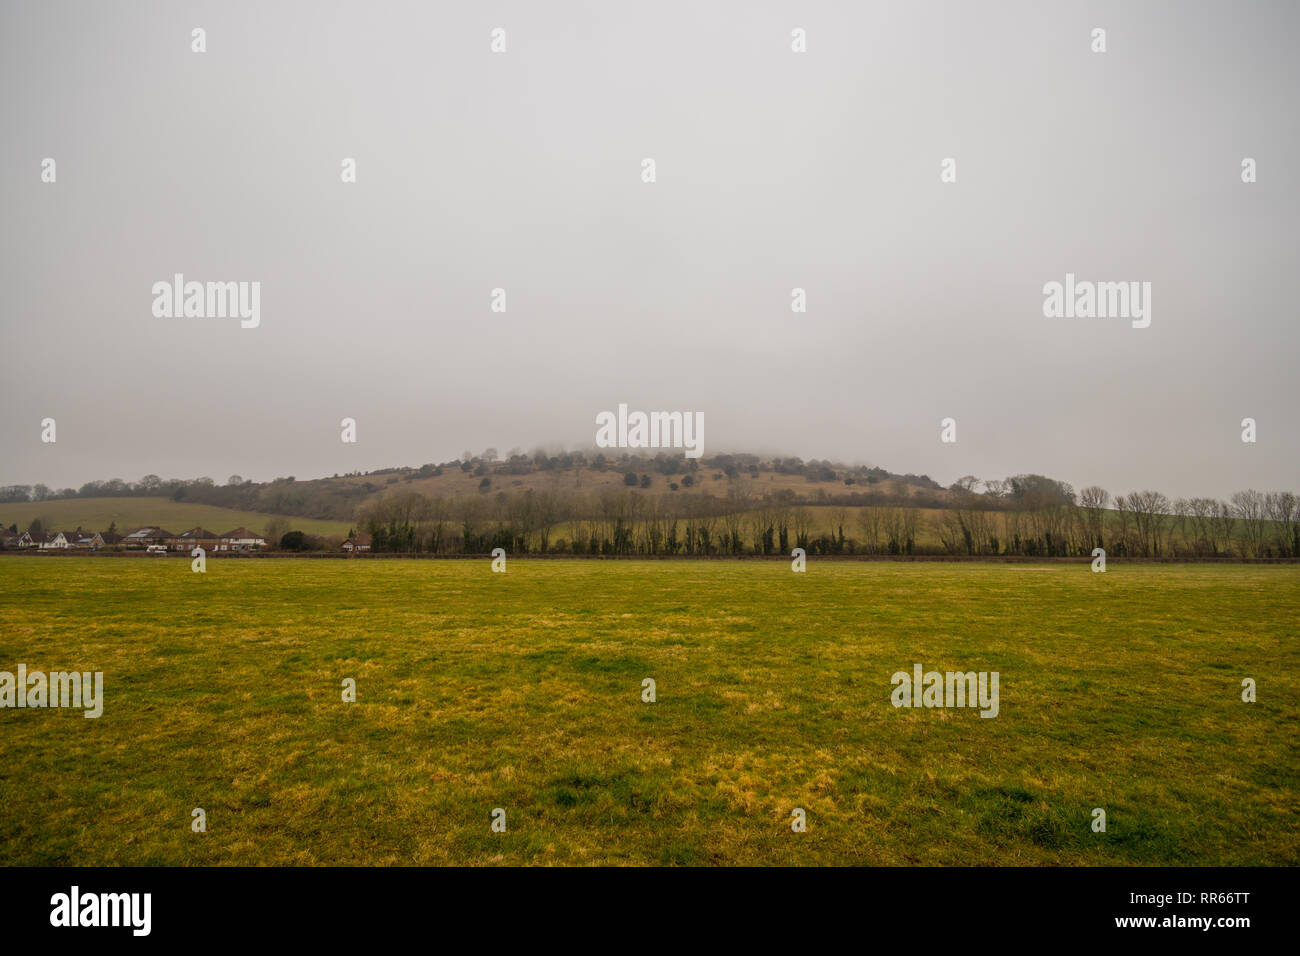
(197, 538)
(143, 537)
(360, 542)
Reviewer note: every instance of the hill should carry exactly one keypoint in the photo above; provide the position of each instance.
(593, 503)
(342, 498)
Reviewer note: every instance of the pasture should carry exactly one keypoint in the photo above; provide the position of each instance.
(96, 514)
(523, 691)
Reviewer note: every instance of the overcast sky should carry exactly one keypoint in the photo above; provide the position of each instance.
(523, 170)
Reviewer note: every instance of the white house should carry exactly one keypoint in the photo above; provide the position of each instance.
(241, 539)
(57, 540)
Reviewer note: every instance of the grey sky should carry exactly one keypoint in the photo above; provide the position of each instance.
(775, 170)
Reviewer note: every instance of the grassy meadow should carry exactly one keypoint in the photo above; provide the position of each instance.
(522, 691)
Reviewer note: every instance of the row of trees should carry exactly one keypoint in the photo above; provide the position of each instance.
(1042, 516)
(612, 521)
(1026, 515)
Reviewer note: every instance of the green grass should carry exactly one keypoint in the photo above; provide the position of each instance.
(522, 690)
(96, 514)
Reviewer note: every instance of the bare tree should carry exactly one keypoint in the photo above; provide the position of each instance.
(909, 522)
(801, 520)
(900, 526)
(1124, 542)
(739, 492)
(952, 533)
(1283, 509)
(1225, 523)
(1150, 512)
(839, 518)
(1201, 532)
(276, 527)
(870, 523)
(1248, 507)
(471, 513)
(997, 488)
(1093, 501)
(439, 516)
(1182, 531)
(759, 525)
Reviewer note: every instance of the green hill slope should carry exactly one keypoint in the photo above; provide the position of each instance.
(97, 514)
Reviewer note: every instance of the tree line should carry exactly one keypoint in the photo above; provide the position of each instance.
(1026, 515)
(1037, 516)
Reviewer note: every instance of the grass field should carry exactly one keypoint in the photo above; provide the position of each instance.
(96, 514)
(523, 691)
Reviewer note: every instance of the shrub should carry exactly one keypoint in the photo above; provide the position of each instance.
(293, 541)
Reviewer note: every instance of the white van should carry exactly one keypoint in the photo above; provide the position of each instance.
(156, 549)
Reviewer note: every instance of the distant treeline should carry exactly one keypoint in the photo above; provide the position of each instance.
(660, 508)
(1033, 515)
(1025, 515)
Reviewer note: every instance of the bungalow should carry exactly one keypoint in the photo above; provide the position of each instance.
(360, 542)
(241, 539)
(84, 540)
(197, 538)
(17, 540)
(144, 537)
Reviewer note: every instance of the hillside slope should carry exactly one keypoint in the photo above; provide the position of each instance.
(96, 514)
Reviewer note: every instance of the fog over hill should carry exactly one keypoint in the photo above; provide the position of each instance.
(799, 270)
